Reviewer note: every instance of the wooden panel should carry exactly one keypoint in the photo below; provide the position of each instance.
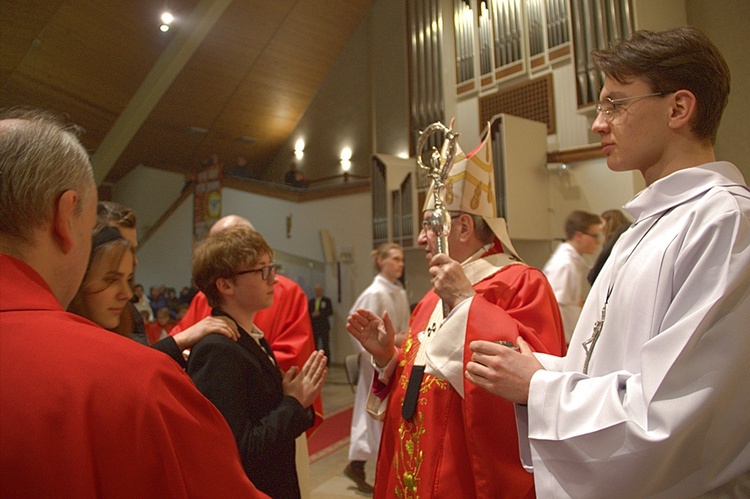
(254, 74)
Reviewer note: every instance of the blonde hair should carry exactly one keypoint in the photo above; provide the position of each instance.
(613, 220)
(221, 255)
(381, 253)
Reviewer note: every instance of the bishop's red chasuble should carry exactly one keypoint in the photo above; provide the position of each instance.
(466, 447)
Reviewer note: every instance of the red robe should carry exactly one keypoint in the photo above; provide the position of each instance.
(285, 325)
(88, 413)
(154, 331)
(466, 447)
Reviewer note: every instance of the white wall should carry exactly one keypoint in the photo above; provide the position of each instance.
(726, 24)
(148, 191)
(165, 257)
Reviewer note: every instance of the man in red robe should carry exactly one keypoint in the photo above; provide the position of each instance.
(85, 413)
(442, 436)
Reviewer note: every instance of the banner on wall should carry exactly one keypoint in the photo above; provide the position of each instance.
(206, 201)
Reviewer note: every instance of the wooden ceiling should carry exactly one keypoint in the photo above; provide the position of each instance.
(238, 69)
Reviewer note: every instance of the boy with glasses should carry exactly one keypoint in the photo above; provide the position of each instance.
(652, 397)
(267, 409)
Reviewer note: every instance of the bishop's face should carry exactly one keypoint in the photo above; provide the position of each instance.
(428, 239)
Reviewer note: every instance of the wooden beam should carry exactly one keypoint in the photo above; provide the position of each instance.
(161, 76)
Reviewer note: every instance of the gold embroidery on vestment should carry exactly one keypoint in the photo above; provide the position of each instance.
(407, 461)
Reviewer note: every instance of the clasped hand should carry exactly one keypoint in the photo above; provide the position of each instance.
(305, 385)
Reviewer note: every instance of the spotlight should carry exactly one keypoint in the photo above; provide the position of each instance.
(299, 149)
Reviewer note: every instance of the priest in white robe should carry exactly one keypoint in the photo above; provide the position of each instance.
(652, 398)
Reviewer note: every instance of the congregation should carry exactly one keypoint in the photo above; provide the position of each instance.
(504, 380)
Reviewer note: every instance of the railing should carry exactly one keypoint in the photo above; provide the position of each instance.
(326, 187)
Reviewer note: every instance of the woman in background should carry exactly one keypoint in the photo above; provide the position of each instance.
(385, 295)
(614, 223)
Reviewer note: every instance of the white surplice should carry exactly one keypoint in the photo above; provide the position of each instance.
(381, 296)
(565, 271)
(665, 408)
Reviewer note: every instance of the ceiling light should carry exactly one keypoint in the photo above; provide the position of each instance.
(164, 28)
(167, 17)
(299, 148)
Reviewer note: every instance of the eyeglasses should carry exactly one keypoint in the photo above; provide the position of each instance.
(608, 107)
(427, 224)
(265, 272)
(595, 236)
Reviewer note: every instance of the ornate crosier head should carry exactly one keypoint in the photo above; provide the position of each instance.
(438, 169)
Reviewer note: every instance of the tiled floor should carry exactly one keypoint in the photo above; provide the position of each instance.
(327, 479)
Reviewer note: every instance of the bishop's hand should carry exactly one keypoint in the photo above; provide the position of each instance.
(375, 334)
(449, 281)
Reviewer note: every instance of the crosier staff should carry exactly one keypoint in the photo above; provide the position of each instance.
(440, 221)
(438, 168)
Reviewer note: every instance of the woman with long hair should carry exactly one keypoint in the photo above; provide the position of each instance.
(106, 290)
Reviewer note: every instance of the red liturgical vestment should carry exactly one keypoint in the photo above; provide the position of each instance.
(89, 413)
(456, 446)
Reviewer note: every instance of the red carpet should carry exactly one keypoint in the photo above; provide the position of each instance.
(332, 435)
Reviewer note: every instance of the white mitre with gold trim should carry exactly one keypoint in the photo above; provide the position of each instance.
(470, 188)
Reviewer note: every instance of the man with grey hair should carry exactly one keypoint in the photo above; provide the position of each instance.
(84, 412)
(443, 436)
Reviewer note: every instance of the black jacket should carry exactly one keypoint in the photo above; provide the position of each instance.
(243, 383)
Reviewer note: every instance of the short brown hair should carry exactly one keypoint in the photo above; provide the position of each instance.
(111, 213)
(221, 255)
(681, 58)
(580, 221)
